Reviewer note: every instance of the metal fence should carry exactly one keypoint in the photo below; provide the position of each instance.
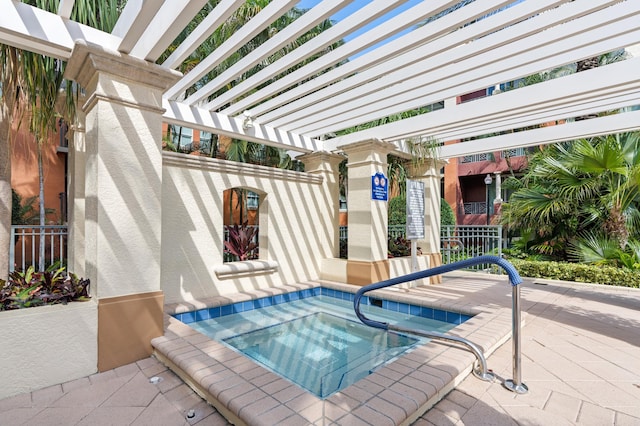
(456, 242)
(461, 242)
(24, 250)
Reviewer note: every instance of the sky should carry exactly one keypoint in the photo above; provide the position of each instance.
(354, 6)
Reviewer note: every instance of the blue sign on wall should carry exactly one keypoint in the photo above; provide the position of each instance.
(379, 187)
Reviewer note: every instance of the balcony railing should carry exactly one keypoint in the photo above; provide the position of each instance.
(24, 250)
(475, 158)
(475, 207)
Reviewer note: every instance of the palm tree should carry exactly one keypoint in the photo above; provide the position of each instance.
(576, 188)
(9, 83)
(37, 79)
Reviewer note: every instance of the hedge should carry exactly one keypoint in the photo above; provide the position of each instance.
(607, 275)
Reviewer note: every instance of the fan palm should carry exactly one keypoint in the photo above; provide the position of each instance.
(589, 185)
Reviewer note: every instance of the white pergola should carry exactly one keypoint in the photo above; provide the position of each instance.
(374, 74)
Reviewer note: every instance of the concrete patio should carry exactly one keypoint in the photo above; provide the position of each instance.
(581, 352)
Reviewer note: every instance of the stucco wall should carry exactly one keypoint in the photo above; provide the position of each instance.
(47, 345)
(296, 225)
(24, 170)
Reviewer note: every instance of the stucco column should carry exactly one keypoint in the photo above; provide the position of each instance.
(368, 229)
(123, 185)
(325, 164)
(428, 172)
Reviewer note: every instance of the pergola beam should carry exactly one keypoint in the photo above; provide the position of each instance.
(401, 52)
(65, 8)
(188, 116)
(30, 28)
(318, 67)
(171, 19)
(445, 84)
(479, 45)
(317, 44)
(222, 12)
(134, 21)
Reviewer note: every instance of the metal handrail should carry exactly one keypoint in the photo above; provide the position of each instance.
(481, 372)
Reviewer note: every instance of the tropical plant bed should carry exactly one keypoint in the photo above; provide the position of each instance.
(53, 286)
(565, 271)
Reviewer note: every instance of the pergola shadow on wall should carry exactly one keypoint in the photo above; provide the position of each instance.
(141, 222)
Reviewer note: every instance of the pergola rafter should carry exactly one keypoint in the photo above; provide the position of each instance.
(365, 65)
(327, 38)
(468, 64)
(596, 90)
(371, 76)
(267, 16)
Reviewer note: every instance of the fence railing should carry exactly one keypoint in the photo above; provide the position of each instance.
(456, 242)
(24, 250)
(461, 242)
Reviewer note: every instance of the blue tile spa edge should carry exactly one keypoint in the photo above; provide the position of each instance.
(234, 308)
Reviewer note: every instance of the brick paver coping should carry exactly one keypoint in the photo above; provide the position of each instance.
(396, 394)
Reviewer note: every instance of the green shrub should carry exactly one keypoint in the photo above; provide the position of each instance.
(580, 272)
(398, 211)
(447, 218)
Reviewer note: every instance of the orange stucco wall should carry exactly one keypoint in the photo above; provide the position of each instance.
(24, 170)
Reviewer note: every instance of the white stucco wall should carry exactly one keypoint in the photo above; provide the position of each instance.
(296, 225)
(402, 266)
(47, 345)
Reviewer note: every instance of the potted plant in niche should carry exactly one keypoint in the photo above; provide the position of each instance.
(242, 242)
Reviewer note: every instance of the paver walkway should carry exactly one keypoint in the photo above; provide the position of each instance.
(124, 396)
(581, 359)
(581, 362)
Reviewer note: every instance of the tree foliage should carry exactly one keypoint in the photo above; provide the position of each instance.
(578, 192)
(447, 216)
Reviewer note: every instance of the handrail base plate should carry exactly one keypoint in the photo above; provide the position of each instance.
(520, 389)
(487, 376)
